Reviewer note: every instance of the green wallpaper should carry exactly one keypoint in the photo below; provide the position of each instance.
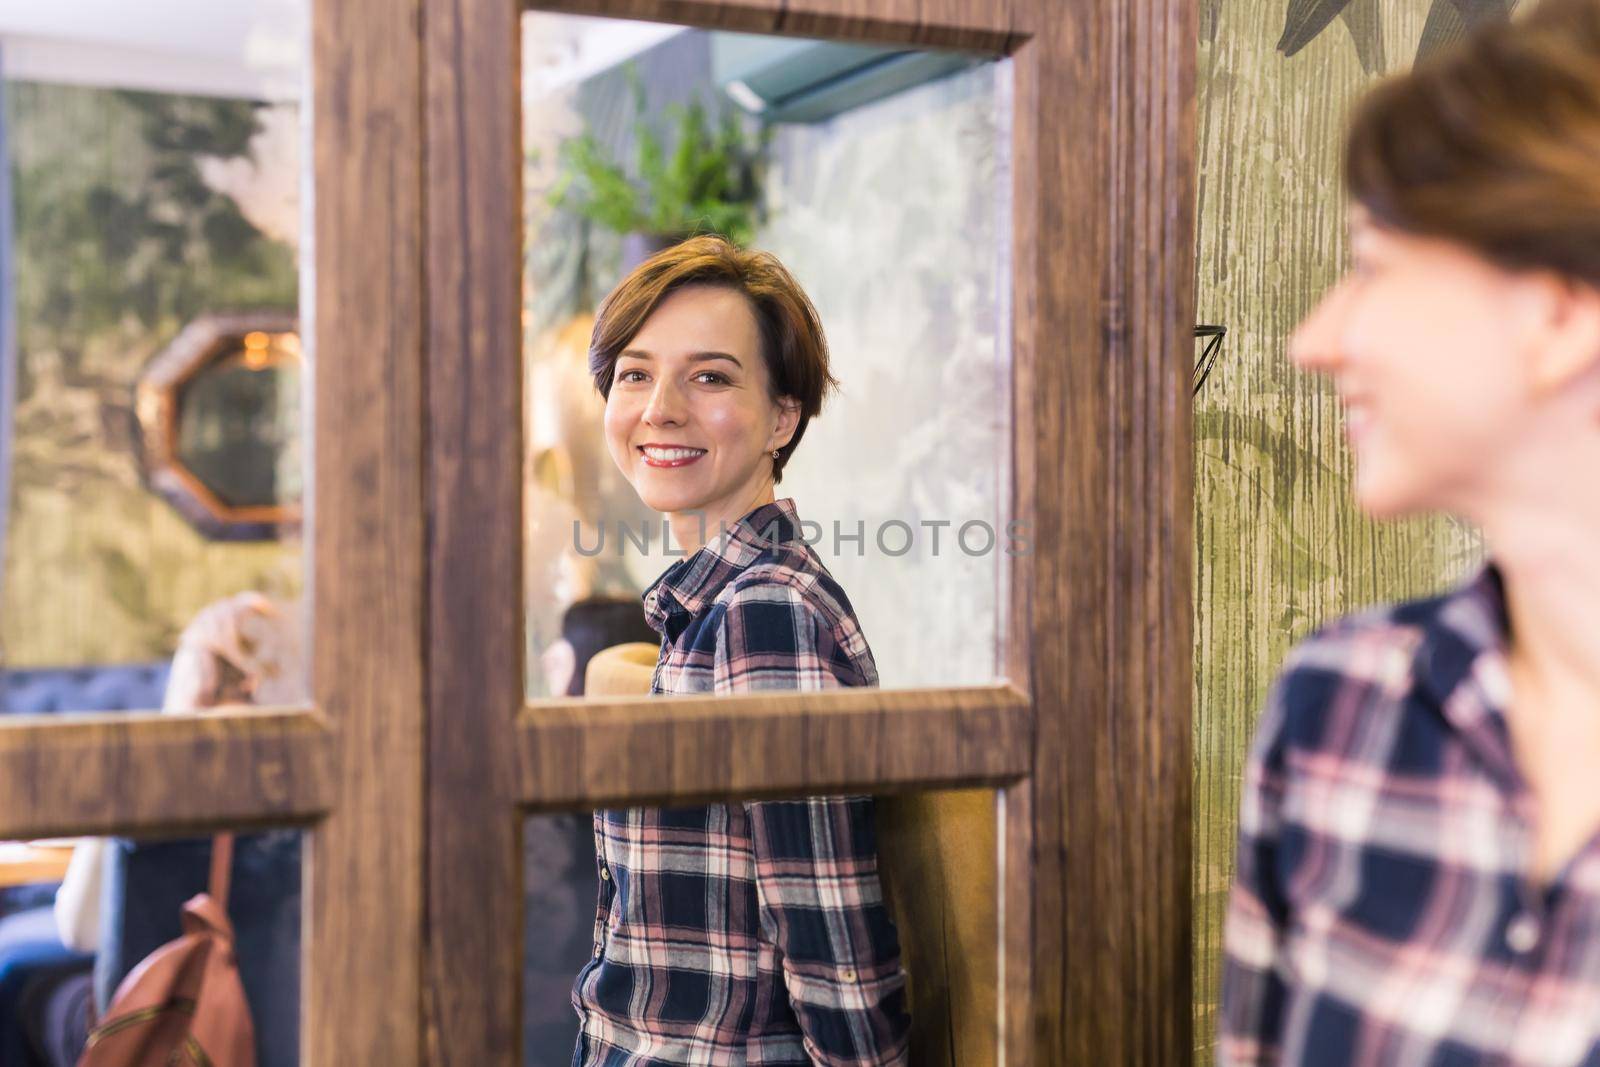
(1279, 545)
(121, 238)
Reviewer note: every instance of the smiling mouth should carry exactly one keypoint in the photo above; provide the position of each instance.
(669, 457)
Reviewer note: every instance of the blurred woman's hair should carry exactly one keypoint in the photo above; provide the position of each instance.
(1493, 143)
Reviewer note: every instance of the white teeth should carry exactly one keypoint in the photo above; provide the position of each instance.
(670, 454)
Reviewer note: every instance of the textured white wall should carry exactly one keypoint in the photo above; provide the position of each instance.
(893, 217)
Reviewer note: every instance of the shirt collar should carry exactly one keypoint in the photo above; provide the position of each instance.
(691, 583)
(1461, 665)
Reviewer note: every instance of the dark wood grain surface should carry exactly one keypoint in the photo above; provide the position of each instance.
(755, 746)
(363, 943)
(963, 24)
(128, 773)
(1104, 214)
(1014, 919)
(474, 966)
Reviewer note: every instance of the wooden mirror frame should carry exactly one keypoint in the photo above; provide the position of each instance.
(416, 763)
(349, 766)
(1088, 736)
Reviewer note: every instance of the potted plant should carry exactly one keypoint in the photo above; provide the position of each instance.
(708, 181)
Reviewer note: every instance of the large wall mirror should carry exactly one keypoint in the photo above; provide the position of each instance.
(152, 462)
(880, 177)
(154, 455)
(998, 249)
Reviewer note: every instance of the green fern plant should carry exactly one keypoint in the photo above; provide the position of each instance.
(708, 182)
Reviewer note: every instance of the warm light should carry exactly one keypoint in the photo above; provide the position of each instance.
(263, 350)
(257, 351)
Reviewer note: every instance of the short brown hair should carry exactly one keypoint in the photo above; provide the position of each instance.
(792, 344)
(1494, 142)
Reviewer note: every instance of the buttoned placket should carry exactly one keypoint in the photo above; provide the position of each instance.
(607, 895)
(1523, 933)
(1525, 928)
(1527, 932)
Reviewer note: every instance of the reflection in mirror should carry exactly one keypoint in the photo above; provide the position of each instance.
(879, 180)
(152, 438)
(78, 916)
(724, 933)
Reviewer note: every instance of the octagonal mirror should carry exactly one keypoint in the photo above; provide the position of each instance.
(219, 414)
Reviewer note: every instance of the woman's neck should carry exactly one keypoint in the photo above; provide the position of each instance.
(1551, 565)
(692, 529)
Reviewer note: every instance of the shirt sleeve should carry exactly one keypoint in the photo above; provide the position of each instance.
(1253, 983)
(816, 859)
(77, 906)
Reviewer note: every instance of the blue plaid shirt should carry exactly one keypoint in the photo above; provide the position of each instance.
(1385, 911)
(748, 933)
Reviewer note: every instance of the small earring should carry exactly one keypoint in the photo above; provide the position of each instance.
(774, 453)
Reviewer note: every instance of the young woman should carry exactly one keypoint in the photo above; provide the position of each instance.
(733, 933)
(1419, 867)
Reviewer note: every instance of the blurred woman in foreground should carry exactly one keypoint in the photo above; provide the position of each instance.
(1419, 864)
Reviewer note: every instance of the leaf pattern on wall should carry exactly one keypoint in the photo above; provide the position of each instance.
(120, 237)
(1304, 20)
(1361, 18)
(1280, 544)
(1447, 22)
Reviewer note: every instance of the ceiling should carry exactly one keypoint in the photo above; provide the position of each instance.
(561, 50)
(243, 48)
(253, 48)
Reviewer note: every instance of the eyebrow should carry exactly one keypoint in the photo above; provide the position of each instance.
(696, 357)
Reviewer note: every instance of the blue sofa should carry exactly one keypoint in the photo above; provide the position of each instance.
(124, 687)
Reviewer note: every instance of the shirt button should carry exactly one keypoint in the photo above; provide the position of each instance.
(1522, 935)
(605, 875)
(847, 976)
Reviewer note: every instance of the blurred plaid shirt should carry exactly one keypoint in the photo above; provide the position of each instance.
(745, 933)
(1384, 910)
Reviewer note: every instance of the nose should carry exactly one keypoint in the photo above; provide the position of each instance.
(1317, 344)
(665, 406)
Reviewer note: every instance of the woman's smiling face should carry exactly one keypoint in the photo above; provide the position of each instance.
(1436, 354)
(690, 420)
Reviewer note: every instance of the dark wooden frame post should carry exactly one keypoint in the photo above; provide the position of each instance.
(1089, 734)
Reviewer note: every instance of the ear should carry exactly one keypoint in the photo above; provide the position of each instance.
(788, 419)
(1567, 334)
